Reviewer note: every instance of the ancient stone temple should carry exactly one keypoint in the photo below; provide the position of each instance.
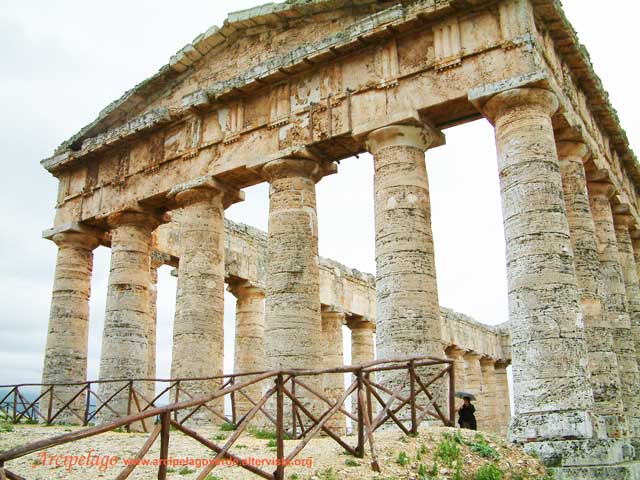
(282, 92)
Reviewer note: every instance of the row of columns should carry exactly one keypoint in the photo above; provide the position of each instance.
(486, 379)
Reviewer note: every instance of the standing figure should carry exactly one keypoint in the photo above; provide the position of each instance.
(467, 418)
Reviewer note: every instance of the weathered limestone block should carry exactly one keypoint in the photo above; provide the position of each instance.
(249, 341)
(332, 353)
(125, 345)
(293, 327)
(553, 396)
(198, 335)
(407, 309)
(616, 303)
(65, 356)
(157, 260)
(603, 362)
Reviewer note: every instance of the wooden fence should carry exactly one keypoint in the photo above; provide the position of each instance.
(290, 390)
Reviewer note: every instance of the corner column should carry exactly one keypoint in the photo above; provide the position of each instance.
(198, 329)
(407, 308)
(553, 395)
(293, 326)
(602, 360)
(616, 302)
(332, 320)
(249, 341)
(125, 347)
(65, 357)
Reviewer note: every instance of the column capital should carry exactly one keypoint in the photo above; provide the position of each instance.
(297, 167)
(135, 217)
(539, 98)
(422, 137)
(204, 189)
(487, 361)
(361, 323)
(75, 233)
(158, 259)
(623, 221)
(601, 189)
(243, 289)
(472, 356)
(573, 150)
(455, 352)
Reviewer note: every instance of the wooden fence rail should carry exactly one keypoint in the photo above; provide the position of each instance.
(289, 402)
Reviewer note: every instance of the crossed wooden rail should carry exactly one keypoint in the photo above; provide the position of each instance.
(415, 399)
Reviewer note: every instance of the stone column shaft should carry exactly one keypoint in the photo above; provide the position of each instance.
(362, 352)
(617, 314)
(473, 384)
(630, 275)
(333, 384)
(65, 357)
(407, 308)
(125, 347)
(488, 400)
(552, 393)
(293, 327)
(249, 341)
(602, 360)
(502, 401)
(198, 334)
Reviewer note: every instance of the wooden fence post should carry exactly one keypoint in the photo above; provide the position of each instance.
(361, 414)
(165, 424)
(412, 386)
(279, 473)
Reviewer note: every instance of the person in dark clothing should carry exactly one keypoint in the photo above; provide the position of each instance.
(467, 418)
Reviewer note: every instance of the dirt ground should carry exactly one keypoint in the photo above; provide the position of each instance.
(435, 453)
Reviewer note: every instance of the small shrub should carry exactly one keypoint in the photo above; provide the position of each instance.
(265, 434)
(185, 471)
(228, 427)
(272, 443)
(219, 436)
(403, 459)
(489, 471)
(212, 477)
(447, 451)
(6, 427)
(294, 476)
(328, 474)
(350, 462)
(240, 447)
(423, 473)
(171, 470)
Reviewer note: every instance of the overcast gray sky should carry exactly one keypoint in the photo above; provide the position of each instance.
(63, 61)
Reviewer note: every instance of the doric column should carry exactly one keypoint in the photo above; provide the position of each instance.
(407, 309)
(618, 316)
(473, 383)
(362, 341)
(552, 392)
(65, 356)
(249, 341)
(332, 357)
(157, 260)
(362, 350)
(502, 401)
(602, 360)
(198, 332)
(125, 347)
(630, 274)
(487, 404)
(459, 367)
(293, 327)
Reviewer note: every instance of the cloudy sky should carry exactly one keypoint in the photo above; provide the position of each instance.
(63, 61)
